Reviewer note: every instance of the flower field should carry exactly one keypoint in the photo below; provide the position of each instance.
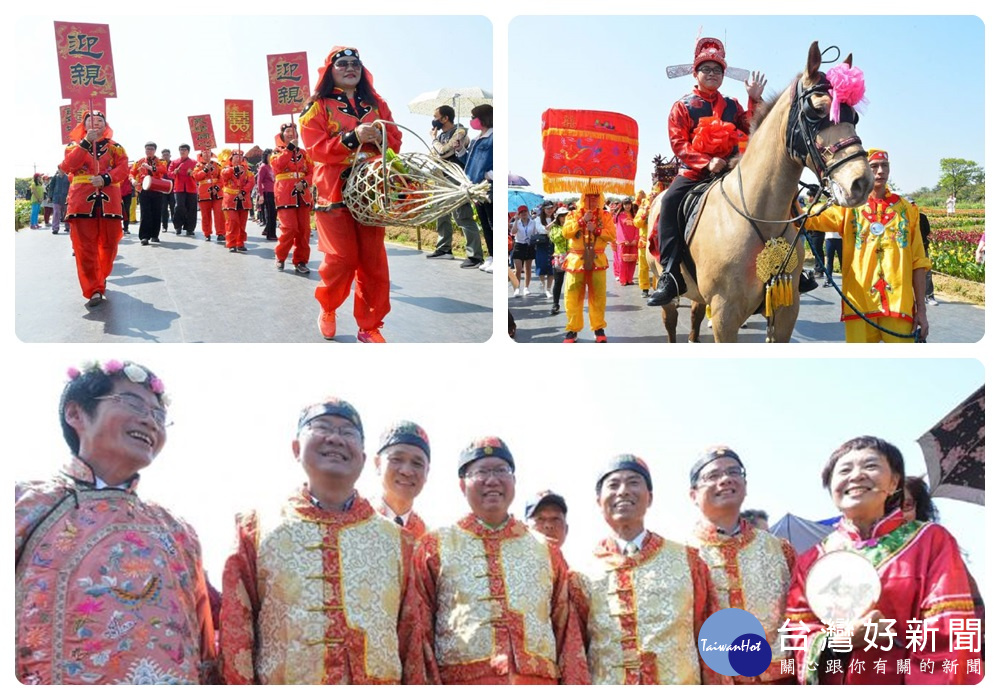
(953, 242)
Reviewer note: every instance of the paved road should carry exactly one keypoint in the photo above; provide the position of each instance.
(631, 321)
(193, 291)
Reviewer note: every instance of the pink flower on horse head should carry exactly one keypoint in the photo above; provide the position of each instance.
(156, 384)
(72, 373)
(847, 86)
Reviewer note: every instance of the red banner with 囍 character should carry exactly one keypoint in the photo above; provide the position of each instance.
(66, 122)
(202, 133)
(288, 77)
(586, 149)
(85, 65)
(239, 121)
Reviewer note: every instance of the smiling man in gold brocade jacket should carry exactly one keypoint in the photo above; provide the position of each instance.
(751, 568)
(642, 598)
(490, 600)
(313, 592)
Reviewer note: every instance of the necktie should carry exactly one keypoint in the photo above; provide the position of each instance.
(631, 549)
(399, 521)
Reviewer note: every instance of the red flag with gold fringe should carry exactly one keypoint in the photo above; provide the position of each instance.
(202, 133)
(85, 65)
(239, 121)
(589, 150)
(288, 77)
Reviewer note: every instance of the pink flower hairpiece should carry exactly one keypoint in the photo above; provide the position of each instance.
(133, 372)
(847, 86)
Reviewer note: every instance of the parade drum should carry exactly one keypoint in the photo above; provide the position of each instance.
(407, 189)
(842, 587)
(157, 184)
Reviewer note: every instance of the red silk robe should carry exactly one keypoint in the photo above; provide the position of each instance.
(923, 578)
(491, 607)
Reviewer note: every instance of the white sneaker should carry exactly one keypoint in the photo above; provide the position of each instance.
(548, 293)
(487, 264)
(527, 291)
(517, 292)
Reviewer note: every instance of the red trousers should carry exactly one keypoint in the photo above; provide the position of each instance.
(208, 210)
(294, 223)
(353, 251)
(236, 227)
(95, 245)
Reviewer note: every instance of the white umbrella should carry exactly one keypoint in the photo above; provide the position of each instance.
(461, 99)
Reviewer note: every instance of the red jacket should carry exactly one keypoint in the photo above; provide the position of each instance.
(209, 179)
(236, 189)
(180, 173)
(327, 130)
(683, 120)
(293, 175)
(84, 200)
(148, 166)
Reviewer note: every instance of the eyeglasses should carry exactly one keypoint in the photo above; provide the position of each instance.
(326, 430)
(345, 65)
(484, 474)
(710, 71)
(719, 475)
(139, 407)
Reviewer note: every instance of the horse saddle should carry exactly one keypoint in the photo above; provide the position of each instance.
(688, 215)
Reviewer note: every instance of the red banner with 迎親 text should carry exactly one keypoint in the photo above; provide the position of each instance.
(85, 65)
(202, 133)
(288, 78)
(239, 121)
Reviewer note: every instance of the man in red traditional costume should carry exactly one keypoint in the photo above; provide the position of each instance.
(751, 569)
(588, 230)
(336, 127)
(925, 590)
(705, 102)
(151, 201)
(185, 192)
(237, 186)
(208, 174)
(642, 599)
(109, 588)
(96, 167)
(885, 265)
(313, 593)
(293, 171)
(402, 463)
(489, 604)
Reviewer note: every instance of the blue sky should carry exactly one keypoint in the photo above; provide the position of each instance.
(924, 78)
(167, 69)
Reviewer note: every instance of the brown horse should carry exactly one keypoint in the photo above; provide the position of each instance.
(751, 203)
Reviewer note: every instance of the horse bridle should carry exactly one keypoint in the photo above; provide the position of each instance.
(804, 123)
